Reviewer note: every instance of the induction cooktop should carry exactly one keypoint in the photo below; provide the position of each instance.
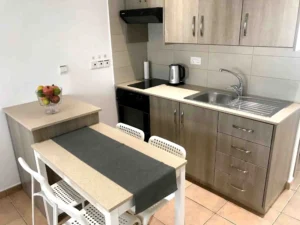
(148, 83)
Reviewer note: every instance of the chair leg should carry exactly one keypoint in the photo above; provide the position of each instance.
(32, 200)
(146, 220)
(32, 209)
(55, 215)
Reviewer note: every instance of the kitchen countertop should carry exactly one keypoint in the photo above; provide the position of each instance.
(180, 92)
(32, 116)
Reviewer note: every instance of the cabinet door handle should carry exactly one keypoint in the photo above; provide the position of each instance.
(241, 190)
(242, 129)
(241, 150)
(175, 113)
(202, 26)
(246, 24)
(194, 26)
(182, 118)
(238, 169)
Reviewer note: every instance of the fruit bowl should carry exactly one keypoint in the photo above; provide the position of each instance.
(49, 97)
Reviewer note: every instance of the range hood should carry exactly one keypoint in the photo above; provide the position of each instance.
(142, 16)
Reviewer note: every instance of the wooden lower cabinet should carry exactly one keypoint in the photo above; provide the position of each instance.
(246, 160)
(164, 118)
(198, 135)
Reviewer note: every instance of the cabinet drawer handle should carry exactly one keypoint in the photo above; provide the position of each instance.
(241, 150)
(238, 169)
(243, 129)
(246, 24)
(175, 113)
(194, 26)
(182, 118)
(241, 190)
(202, 26)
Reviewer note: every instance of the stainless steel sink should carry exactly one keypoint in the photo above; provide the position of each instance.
(214, 97)
(251, 104)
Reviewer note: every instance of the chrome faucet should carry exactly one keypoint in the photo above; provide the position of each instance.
(237, 88)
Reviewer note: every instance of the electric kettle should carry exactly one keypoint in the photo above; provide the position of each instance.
(177, 74)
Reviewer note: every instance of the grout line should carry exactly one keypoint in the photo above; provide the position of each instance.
(158, 219)
(201, 204)
(290, 216)
(209, 218)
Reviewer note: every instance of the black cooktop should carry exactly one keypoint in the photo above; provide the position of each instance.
(148, 83)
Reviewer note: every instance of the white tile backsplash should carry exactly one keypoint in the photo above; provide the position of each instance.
(162, 57)
(196, 77)
(236, 62)
(121, 59)
(277, 67)
(159, 71)
(269, 72)
(189, 47)
(285, 52)
(231, 49)
(275, 88)
(184, 57)
(223, 80)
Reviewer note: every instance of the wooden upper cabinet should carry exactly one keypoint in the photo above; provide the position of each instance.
(269, 23)
(219, 21)
(164, 118)
(181, 21)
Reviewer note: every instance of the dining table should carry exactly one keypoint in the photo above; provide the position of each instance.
(104, 193)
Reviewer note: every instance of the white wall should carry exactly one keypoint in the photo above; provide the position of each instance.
(36, 37)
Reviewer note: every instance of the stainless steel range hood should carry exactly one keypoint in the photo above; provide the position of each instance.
(142, 16)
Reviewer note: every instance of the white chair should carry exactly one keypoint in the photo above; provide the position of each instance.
(87, 216)
(132, 131)
(173, 149)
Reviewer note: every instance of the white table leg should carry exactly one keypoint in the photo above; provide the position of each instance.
(41, 167)
(112, 218)
(180, 198)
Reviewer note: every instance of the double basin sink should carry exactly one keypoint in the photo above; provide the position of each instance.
(251, 104)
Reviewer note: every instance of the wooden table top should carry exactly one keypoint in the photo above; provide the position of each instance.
(32, 116)
(98, 187)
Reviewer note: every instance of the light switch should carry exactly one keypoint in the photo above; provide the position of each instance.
(63, 69)
(195, 61)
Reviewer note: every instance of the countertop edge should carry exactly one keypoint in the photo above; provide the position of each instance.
(274, 120)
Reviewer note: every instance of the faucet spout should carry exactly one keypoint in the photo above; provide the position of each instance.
(237, 88)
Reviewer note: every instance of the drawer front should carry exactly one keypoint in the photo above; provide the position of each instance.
(239, 191)
(250, 130)
(241, 172)
(242, 149)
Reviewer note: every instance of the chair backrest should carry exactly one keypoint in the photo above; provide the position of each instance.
(132, 131)
(168, 146)
(48, 192)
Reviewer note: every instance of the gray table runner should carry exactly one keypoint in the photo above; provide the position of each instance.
(146, 178)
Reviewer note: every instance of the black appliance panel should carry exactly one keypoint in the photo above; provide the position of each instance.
(142, 16)
(148, 83)
(134, 110)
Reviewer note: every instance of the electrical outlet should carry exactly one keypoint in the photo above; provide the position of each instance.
(106, 63)
(195, 61)
(93, 65)
(100, 64)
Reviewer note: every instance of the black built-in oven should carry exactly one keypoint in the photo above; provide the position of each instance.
(134, 110)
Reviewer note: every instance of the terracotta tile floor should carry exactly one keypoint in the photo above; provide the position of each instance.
(202, 207)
